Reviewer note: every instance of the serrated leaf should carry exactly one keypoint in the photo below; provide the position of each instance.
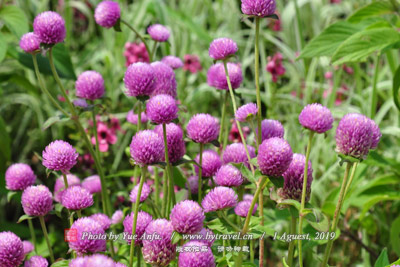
(10, 195)
(376, 8)
(15, 19)
(396, 87)
(24, 217)
(383, 259)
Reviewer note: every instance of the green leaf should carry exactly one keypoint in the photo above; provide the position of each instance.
(396, 87)
(393, 263)
(362, 44)
(5, 144)
(10, 195)
(117, 26)
(395, 235)
(15, 19)
(377, 8)
(318, 220)
(3, 47)
(63, 263)
(376, 199)
(58, 209)
(215, 143)
(52, 120)
(383, 259)
(277, 181)
(24, 217)
(179, 180)
(176, 237)
(289, 202)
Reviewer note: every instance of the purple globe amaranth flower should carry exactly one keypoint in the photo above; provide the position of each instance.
(203, 128)
(146, 148)
(165, 81)
(90, 85)
(146, 190)
(29, 42)
(173, 62)
(316, 117)
(243, 208)
(93, 260)
(219, 198)
(28, 246)
(258, 8)
(274, 156)
(271, 128)
(83, 244)
(118, 264)
(36, 261)
(159, 252)
(19, 176)
(196, 254)
(175, 141)
(80, 103)
(107, 13)
(248, 197)
(117, 217)
(211, 162)
(205, 236)
(228, 175)
(133, 118)
(222, 48)
(356, 134)
(139, 79)
(246, 112)
(49, 27)
(158, 32)
(92, 184)
(193, 184)
(37, 200)
(216, 76)
(162, 109)
(11, 250)
(102, 219)
(236, 153)
(294, 177)
(143, 220)
(76, 198)
(59, 186)
(187, 217)
(59, 156)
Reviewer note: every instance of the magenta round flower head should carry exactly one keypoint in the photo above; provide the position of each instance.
(196, 254)
(294, 176)
(176, 144)
(11, 249)
(243, 207)
(28, 246)
(83, 244)
(274, 156)
(271, 128)
(139, 79)
(49, 27)
(107, 13)
(206, 236)
(92, 184)
(93, 260)
(59, 186)
(159, 252)
(143, 221)
(118, 264)
(133, 118)
(203, 128)
(376, 134)
(36, 261)
(316, 117)
(216, 76)
(248, 197)
(236, 153)
(146, 190)
(173, 62)
(117, 217)
(158, 32)
(102, 219)
(59, 156)
(222, 48)
(258, 8)
(187, 217)
(228, 175)
(193, 184)
(162, 109)
(76, 198)
(29, 42)
(211, 162)
(219, 198)
(37, 200)
(165, 81)
(355, 135)
(90, 85)
(19, 176)
(246, 112)
(146, 148)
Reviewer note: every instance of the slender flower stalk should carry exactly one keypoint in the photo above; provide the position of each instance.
(223, 126)
(171, 195)
(140, 37)
(165, 193)
(200, 172)
(46, 236)
(293, 224)
(65, 180)
(136, 210)
(32, 230)
(257, 73)
(353, 171)
(224, 218)
(95, 133)
(139, 123)
(79, 213)
(303, 195)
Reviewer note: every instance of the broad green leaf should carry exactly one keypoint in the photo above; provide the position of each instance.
(3, 47)
(374, 9)
(24, 217)
(123, 173)
(10, 195)
(179, 180)
(289, 202)
(395, 235)
(277, 181)
(15, 19)
(359, 46)
(5, 144)
(393, 263)
(396, 87)
(376, 199)
(383, 259)
(63, 263)
(176, 237)
(318, 220)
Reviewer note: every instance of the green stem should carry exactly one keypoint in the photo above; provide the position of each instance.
(79, 213)
(165, 194)
(303, 195)
(293, 224)
(234, 112)
(353, 171)
(336, 215)
(139, 122)
(153, 51)
(140, 37)
(157, 185)
(257, 72)
(374, 95)
(337, 79)
(299, 28)
(139, 256)
(171, 195)
(261, 215)
(200, 173)
(46, 236)
(32, 230)
(95, 132)
(223, 126)
(252, 251)
(65, 180)
(224, 218)
(136, 210)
